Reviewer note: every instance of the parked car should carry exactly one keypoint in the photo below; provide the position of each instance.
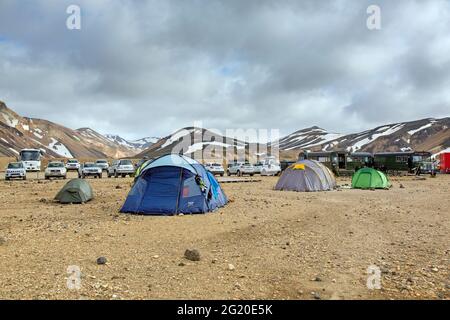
(258, 166)
(55, 169)
(103, 164)
(89, 169)
(270, 167)
(15, 170)
(215, 168)
(240, 169)
(72, 165)
(122, 167)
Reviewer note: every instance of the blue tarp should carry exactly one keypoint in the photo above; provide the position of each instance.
(168, 186)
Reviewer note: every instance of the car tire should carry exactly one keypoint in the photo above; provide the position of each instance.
(6, 178)
(239, 173)
(115, 174)
(221, 174)
(251, 174)
(100, 176)
(124, 175)
(228, 173)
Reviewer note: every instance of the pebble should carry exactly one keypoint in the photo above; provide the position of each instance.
(231, 267)
(101, 260)
(192, 255)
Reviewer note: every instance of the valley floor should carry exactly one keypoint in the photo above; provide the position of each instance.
(282, 245)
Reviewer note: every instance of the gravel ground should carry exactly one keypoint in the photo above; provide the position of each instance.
(264, 244)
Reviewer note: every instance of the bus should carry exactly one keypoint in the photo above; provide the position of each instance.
(31, 159)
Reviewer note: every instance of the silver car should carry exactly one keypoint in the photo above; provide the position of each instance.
(89, 169)
(123, 168)
(103, 164)
(240, 169)
(55, 169)
(15, 170)
(215, 168)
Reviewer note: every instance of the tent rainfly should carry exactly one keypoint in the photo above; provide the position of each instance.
(305, 176)
(369, 178)
(75, 191)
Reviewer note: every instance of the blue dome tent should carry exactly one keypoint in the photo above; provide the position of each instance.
(174, 184)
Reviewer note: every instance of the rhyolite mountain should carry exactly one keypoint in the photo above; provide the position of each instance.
(17, 132)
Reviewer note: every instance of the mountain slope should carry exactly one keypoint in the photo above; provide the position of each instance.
(193, 141)
(56, 141)
(139, 145)
(426, 134)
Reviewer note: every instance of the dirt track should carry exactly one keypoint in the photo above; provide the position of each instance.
(282, 244)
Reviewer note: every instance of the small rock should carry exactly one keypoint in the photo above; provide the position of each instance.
(181, 264)
(118, 187)
(317, 279)
(192, 255)
(101, 260)
(213, 260)
(434, 269)
(155, 256)
(402, 186)
(316, 295)
(231, 267)
(2, 241)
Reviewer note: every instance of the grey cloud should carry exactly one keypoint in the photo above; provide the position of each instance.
(150, 67)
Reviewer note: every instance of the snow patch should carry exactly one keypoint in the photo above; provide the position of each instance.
(16, 152)
(10, 121)
(59, 148)
(412, 132)
(358, 145)
(38, 135)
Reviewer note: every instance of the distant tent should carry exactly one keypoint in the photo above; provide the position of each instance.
(75, 191)
(369, 178)
(305, 176)
(174, 184)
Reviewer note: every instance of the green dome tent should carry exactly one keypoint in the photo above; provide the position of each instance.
(75, 191)
(369, 178)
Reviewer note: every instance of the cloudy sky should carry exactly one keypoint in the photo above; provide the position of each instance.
(140, 68)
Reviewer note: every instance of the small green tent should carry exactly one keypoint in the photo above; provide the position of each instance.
(368, 178)
(75, 191)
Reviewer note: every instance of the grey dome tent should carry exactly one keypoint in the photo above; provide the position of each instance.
(75, 191)
(306, 175)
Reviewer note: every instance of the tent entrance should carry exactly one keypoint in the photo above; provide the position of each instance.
(162, 190)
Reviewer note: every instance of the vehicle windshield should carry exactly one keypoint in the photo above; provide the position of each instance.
(101, 161)
(125, 162)
(15, 165)
(90, 165)
(34, 155)
(216, 165)
(55, 165)
(72, 161)
(247, 163)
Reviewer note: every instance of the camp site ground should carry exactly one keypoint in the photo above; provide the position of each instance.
(264, 244)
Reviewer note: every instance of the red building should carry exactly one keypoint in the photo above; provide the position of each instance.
(445, 162)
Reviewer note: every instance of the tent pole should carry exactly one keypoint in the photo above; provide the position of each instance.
(179, 187)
